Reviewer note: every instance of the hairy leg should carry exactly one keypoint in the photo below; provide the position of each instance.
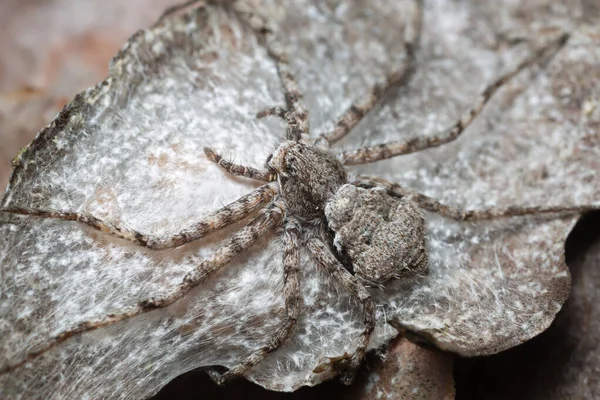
(291, 292)
(239, 170)
(274, 111)
(362, 106)
(293, 130)
(232, 247)
(433, 205)
(220, 219)
(387, 150)
(296, 113)
(327, 260)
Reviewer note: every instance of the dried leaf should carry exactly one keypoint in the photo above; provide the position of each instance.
(53, 50)
(496, 285)
(130, 150)
(404, 371)
(563, 362)
(409, 372)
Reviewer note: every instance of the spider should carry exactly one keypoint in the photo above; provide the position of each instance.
(364, 232)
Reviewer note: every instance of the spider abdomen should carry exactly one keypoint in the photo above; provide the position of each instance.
(384, 237)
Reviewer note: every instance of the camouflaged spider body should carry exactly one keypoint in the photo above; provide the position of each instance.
(363, 232)
(382, 237)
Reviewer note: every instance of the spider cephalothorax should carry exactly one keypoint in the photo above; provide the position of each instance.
(308, 177)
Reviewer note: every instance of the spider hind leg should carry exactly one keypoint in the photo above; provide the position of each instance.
(291, 262)
(460, 214)
(349, 363)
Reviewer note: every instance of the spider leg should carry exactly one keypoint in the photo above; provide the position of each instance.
(327, 260)
(239, 170)
(296, 114)
(237, 244)
(399, 76)
(220, 219)
(456, 213)
(293, 130)
(291, 260)
(388, 150)
(275, 111)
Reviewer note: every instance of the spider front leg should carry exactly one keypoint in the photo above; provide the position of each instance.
(291, 292)
(350, 363)
(296, 110)
(296, 114)
(456, 213)
(218, 220)
(235, 245)
(388, 150)
(397, 77)
(239, 170)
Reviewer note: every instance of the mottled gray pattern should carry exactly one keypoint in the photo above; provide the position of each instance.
(383, 237)
(308, 177)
